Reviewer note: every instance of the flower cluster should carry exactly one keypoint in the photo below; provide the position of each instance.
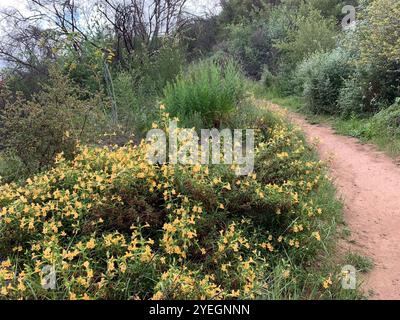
(112, 226)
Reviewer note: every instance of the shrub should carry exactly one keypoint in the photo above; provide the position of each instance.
(310, 33)
(370, 88)
(152, 70)
(250, 43)
(352, 99)
(115, 227)
(267, 78)
(11, 168)
(85, 67)
(135, 107)
(52, 122)
(379, 32)
(138, 86)
(322, 76)
(376, 82)
(209, 90)
(387, 121)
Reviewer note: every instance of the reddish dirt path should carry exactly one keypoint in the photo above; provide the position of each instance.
(369, 184)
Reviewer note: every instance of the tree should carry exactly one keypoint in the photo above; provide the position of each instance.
(143, 22)
(233, 11)
(380, 31)
(310, 32)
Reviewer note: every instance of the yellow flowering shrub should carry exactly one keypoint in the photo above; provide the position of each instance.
(113, 226)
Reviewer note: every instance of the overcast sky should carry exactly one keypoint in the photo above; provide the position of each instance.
(199, 6)
(19, 4)
(194, 6)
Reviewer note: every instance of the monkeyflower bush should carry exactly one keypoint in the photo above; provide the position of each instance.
(109, 225)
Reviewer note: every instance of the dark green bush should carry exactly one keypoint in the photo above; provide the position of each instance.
(33, 132)
(323, 76)
(138, 86)
(370, 88)
(309, 32)
(251, 44)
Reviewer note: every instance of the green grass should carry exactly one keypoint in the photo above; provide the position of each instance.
(318, 266)
(291, 102)
(361, 263)
(361, 128)
(309, 279)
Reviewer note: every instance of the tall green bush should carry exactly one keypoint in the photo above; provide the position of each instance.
(308, 33)
(251, 44)
(374, 44)
(140, 83)
(208, 90)
(322, 76)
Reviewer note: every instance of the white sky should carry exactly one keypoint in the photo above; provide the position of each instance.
(199, 6)
(18, 4)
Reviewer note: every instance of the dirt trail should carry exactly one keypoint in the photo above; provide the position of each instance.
(369, 183)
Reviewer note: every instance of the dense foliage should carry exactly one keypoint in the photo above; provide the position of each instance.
(76, 191)
(208, 92)
(321, 76)
(114, 227)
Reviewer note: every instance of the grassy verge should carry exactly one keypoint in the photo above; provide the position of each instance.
(326, 261)
(114, 226)
(183, 232)
(362, 128)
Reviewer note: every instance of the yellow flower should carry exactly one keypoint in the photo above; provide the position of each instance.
(235, 294)
(4, 291)
(158, 296)
(316, 235)
(21, 286)
(72, 296)
(110, 265)
(122, 267)
(191, 234)
(164, 276)
(91, 244)
(327, 283)
(196, 168)
(286, 274)
(141, 175)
